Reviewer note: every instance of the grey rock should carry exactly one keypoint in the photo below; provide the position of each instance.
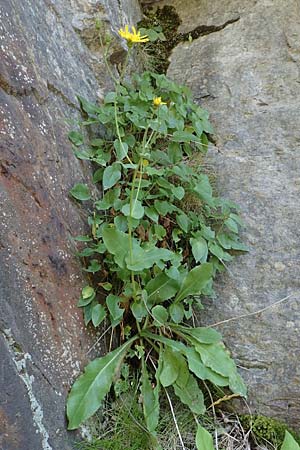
(44, 65)
(247, 76)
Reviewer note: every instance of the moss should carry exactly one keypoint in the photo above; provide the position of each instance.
(266, 429)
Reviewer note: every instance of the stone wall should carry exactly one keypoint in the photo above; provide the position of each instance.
(247, 76)
(49, 55)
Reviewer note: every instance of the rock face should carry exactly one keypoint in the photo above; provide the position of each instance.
(47, 59)
(247, 76)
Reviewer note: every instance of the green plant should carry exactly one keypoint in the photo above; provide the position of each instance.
(266, 429)
(150, 255)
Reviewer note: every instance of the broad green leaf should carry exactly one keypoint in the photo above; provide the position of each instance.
(195, 281)
(216, 357)
(199, 249)
(76, 138)
(176, 311)
(237, 385)
(163, 207)
(178, 192)
(98, 314)
(87, 291)
(121, 149)
(184, 136)
(204, 440)
(116, 313)
(204, 190)
(175, 345)
(151, 213)
(87, 300)
(161, 288)
(91, 387)
(146, 258)
(217, 251)
(289, 442)
(160, 315)
(117, 243)
(228, 242)
(183, 221)
(98, 175)
(88, 107)
(191, 395)
(232, 225)
(139, 310)
(137, 211)
(201, 371)
(80, 192)
(111, 176)
(204, 335)
(150, 401)
(94, 266)
(170, 367)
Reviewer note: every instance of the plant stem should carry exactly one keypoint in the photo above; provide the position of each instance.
(175, 420)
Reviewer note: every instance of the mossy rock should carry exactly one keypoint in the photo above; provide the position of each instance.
(267, 429)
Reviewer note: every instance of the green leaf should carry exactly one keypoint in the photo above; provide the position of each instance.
(116, 313)
(76, 138)
(117, 243)
(98, 314)
(83, 238)
(232, 225)
(204, 190)
(228, 243)
(94, 266)
(184, 136)
(199, 249)
(216, 357)
(160, 315)
(121, 149)
(217, 251)
(190, 394)
(80, 192)
(195, 281)
(289, 442)
(204, 440)
(176, 311)
(150, 401)
(88, 107)
(175, 345)
(163, 207)
(178, 192)
(91, 387)
(87, 292)
(201, 371)
(183, 221)
(139, 310)
(161, 288)
(151, 213)
(111, 176)
(146, 258)
(204, 335)
(87, 300)
(137, 211)
(170, 367)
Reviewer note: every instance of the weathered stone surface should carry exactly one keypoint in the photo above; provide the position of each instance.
(45, 63)
(247, 76)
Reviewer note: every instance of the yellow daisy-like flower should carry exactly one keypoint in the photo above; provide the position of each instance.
(132, 37)
(157, 101)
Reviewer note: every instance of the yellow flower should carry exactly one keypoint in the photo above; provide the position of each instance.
(133, 37)
(157, 101)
